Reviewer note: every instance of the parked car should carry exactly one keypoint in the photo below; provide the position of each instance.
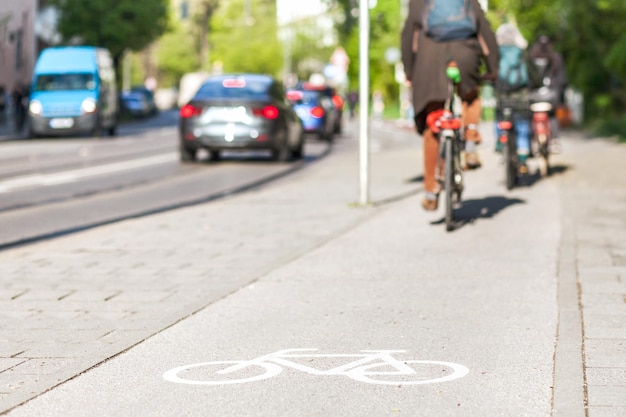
(316, 110)
(73, 91)
(135, 104)
(240, 112)
(149, 97)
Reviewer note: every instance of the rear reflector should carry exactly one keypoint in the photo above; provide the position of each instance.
(505, 125)
(450, 124)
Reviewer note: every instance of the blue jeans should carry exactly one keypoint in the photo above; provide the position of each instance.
(522, 132)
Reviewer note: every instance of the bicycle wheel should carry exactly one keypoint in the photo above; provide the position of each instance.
(449, 184)
(510, 163)
(241, 371)
(429, 372)
(545, 153)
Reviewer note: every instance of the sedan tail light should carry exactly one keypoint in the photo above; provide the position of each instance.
(268, 112)
(317, 112)
(189, 110)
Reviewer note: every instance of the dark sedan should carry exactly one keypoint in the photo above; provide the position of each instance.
(240, 112)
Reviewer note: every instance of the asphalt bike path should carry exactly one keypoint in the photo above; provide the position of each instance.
(370, 311)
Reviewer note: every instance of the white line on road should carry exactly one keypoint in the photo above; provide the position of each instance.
(34, 180)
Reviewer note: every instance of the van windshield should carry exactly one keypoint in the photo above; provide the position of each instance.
(65, 82)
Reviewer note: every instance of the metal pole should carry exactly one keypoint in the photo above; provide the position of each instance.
(364, 34)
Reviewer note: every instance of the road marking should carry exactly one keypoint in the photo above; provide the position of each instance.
(369, 366)
(45, 180)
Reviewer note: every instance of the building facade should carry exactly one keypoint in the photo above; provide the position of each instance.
(18, 43)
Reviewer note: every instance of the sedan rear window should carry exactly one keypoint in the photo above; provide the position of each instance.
(238, 88)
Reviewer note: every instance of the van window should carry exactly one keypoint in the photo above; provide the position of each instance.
(65, 82)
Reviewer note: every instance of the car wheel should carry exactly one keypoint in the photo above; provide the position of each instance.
(298, 152)
(215, 155)
(96, 131)
(187, 155)
(281, 153)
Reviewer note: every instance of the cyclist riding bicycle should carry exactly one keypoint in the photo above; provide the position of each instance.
(435, 33)
(547, 72)
(512, 89)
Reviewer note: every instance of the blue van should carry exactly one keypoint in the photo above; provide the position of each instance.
(73, 92)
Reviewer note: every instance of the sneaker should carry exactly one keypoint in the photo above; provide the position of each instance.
(522, 169)
(430, 205)
(472, 161)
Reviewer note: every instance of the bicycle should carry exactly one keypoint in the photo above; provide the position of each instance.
(366, 367)
(512, 117)
(446, 124)
(541, 133)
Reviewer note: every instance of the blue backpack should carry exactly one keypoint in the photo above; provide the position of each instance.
(513, 71)
(449, 20)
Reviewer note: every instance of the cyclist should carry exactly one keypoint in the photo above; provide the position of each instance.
(512, 88)
(548, 70)
(427, 45)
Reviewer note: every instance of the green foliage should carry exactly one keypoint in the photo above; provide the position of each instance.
(385, 27)
(176, 56)
(118, 25)
(247, 45)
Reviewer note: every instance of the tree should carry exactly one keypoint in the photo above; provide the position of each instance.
(118, 25)
(203, 21)
(247, 43)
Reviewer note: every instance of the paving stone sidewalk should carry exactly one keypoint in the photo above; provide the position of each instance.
(594, 230)
(71, 303)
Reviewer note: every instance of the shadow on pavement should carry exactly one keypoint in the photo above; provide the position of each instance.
(532, 178)
(486, 208)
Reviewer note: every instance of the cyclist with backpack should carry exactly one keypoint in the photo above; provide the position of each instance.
(512, 89)
(435, 33)
(547, 72)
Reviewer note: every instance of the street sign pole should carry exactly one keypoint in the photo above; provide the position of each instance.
(364, 35)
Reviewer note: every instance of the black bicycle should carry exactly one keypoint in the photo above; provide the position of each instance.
(447, 125)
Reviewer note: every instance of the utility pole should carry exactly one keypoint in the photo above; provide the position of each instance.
(364, 147)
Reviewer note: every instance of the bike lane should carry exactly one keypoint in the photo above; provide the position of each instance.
(483, 298)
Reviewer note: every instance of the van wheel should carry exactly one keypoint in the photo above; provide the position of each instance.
(96, 132)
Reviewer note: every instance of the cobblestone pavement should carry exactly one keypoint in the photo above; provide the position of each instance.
(594, 256)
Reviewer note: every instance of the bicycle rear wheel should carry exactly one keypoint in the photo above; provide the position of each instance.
(449, 186)
(510, 162)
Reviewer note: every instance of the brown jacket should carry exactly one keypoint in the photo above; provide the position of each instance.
(425, 60)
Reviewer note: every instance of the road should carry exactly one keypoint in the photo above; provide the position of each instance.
(515, 313)
(62, 185)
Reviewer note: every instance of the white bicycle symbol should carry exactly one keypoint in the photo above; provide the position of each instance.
(368, 366)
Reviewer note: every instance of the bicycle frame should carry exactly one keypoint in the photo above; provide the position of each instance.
(450, 145)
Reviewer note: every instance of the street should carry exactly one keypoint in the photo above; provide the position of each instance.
(56, 186)
(319, 307)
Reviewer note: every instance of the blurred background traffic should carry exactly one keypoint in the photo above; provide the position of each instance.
(162, 50)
